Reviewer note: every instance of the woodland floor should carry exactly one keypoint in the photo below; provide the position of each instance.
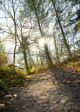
(53, 91)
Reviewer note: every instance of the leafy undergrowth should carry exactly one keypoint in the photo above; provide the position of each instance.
(39, 69)
(12, 78)
(71, 64)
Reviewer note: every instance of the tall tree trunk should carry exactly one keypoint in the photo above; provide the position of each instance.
(31, 59)
(56, 49)
(15, 31)
(15, 47)
(37, 18)
(40, 58)
(45, 45)
(65, 41)
(48, 55)
(25, 59)
(24, 50)
(36, 54)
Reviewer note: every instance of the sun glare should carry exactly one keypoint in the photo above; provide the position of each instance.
(41, 41)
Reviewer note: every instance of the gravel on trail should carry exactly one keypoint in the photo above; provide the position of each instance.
(53, 91)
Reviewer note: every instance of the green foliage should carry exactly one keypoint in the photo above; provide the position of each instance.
(16, 81)
(54, 67)
(9, 77)
(0, 2)
(3, 85)
(3, 59)
(71, 64)
(70, 61)
(42, 69)
(3, 56)
(32, 71)
(38, 69)
(38, 64)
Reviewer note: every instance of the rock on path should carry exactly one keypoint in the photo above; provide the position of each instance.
(47, 93)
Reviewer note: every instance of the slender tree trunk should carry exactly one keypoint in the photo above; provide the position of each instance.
(73, 44)
(40, 58)
(31, 59)
(36, 54)
(45, 45)
(37, 18)
(25, 60)
(48, 55)
(65, 41)
(15, 47)
(15, 32)
(56, 50)
(24, 51)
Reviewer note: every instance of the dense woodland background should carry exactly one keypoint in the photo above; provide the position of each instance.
(42, 32)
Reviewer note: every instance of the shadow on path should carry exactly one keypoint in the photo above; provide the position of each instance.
(54, 91)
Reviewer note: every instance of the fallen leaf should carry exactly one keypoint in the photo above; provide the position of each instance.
(7, 102)
(75, 70)
(76, 88)
(78, 82)
(8, 96)
(64, 81)
(68, 81)
(56, 82)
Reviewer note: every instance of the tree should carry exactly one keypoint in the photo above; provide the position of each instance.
(65, 41)
(10, 8)
(37, 8)
(56, 46)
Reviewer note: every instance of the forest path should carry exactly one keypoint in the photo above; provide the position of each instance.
(53, 91)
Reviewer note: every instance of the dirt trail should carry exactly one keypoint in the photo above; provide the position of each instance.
(48, 92)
